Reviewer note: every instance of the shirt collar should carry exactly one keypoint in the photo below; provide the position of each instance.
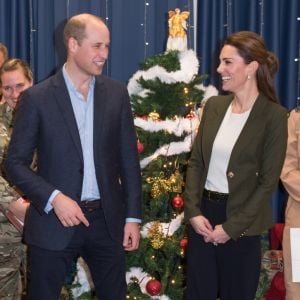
(70, 85)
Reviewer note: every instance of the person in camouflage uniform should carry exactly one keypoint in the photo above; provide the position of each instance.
(15, 77)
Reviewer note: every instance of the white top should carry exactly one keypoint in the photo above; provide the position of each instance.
(226, 137)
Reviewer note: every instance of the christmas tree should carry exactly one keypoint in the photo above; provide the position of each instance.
(166, 97)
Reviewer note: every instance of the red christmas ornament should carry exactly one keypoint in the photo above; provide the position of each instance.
(190, 115)
(153, 287)
(140, 147)
(177, 201)
(183, 243)
(277, 288)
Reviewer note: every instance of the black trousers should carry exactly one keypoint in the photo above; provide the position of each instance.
(105, 258)
(229, 271)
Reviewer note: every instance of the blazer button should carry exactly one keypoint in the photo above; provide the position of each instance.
(230, 174)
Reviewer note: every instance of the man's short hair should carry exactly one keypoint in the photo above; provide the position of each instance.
(75, 27)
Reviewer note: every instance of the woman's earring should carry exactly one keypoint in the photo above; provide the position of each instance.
(249, 77)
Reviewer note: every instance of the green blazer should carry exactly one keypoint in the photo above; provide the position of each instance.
(254, 166)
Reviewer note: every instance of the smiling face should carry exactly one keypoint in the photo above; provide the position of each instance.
(233, 70)
(89, 55)
(13, 84)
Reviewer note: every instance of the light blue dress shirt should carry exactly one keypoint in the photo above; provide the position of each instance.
(84, 115)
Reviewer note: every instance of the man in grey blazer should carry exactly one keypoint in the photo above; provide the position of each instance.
(86, 192)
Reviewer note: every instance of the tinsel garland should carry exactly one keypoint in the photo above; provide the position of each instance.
(189, 65)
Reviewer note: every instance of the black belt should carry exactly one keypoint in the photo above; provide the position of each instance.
(215, 196)
(90, 205)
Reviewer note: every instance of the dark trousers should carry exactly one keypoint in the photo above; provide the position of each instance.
(229, 271)
(105, 258)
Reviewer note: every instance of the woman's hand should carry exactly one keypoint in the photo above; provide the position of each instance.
(203, 227)
(219, 236)
(19, 208)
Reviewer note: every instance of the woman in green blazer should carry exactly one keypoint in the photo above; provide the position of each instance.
(234, 168)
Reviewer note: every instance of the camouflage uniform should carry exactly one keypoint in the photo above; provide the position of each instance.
(12, 251)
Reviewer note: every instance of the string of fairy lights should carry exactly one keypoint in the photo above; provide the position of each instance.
(145, 27)
(228, 23)
(32, 30)
(261, 6)
(190, 6)
(107, 65)
(229, 16)
(261, 28)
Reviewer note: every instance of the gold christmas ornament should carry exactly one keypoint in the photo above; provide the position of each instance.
(176, 182)
(156, 235)
(161, 185)
(154, 116)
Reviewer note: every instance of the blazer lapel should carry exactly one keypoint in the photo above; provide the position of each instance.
(253, 124)
(100, 99)
(64, 102)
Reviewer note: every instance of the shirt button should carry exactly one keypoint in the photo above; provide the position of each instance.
(230, 174)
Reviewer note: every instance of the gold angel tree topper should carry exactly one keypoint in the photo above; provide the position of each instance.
(177, 39)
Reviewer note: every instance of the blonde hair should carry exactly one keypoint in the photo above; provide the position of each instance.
(16, 64)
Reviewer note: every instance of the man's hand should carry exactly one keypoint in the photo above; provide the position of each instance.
(131, 236)
(68, 211)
